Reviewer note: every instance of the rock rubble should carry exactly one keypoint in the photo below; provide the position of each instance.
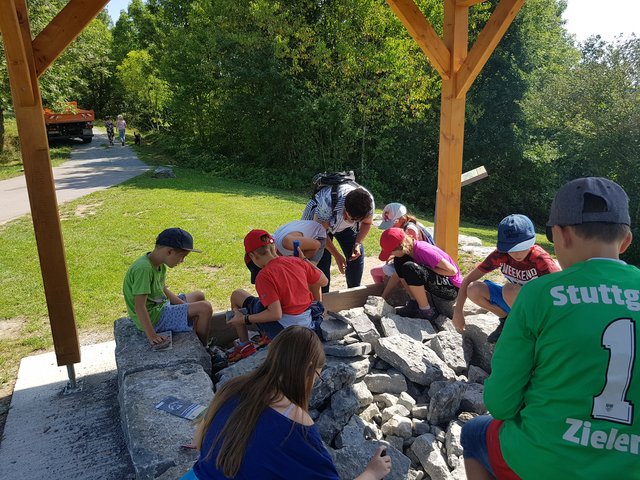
(397, 381)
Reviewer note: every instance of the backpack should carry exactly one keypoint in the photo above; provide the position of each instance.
(332, 179)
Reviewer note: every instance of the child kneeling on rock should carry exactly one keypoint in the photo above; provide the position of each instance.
(424, 270)
(289, 293)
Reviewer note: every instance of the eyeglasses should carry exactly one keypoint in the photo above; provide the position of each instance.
(319, 374)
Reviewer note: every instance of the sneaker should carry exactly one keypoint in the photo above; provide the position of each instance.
(427, 313)
(261, 340)
(242, 351)
(495, 335)
(409, 310)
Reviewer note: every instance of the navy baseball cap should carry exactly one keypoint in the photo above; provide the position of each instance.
(515, 234)
(176, 238)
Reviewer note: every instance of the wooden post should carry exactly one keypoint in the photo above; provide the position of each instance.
(458, 69)
(456, 26)
(25, 90)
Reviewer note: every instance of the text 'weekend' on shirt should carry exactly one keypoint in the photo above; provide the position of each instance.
(536, 264)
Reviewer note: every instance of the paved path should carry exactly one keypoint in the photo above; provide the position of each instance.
(61, 437)
(92, 167)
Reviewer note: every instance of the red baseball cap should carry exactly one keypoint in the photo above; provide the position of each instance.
(254, 240)
(390, 240)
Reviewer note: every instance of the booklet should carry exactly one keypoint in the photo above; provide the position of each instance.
(167, 344)
(181, 408)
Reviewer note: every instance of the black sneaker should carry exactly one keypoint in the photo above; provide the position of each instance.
(427, 314)
(495, 335)
(409, 310)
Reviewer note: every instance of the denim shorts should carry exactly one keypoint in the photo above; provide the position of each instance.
(253, 306)
(495, 296)
(474, 440)
(174, 317)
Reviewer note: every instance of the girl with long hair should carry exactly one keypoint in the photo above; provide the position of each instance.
(258, 425)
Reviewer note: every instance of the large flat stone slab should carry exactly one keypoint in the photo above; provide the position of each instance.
(154, 436)
(134, 354)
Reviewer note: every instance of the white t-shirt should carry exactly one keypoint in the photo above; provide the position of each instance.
(308, 228)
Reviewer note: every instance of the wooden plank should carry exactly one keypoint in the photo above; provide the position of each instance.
(486, 43)
(468, 3)
(447, 220)
(467, 178)
(63, 29)
(22, 87)
(350, 297)
(40, 184)
(223, 335)
(423, 33)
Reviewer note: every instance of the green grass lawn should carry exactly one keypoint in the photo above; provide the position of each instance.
(10, 160)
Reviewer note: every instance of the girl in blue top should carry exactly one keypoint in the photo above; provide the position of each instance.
(258, 425)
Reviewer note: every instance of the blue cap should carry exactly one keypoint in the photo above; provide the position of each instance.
(176, 238)
(515, 234)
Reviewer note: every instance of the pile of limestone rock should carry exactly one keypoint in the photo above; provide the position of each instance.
(404, 382)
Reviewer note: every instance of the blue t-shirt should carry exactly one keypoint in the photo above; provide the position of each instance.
(278, 449)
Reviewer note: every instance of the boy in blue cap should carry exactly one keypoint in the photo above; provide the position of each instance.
(151, 305)
(519, 259)
(564, 388)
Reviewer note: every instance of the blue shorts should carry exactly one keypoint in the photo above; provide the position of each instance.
(174, 317)
(270, 329)
(474, 440)
(495, 296)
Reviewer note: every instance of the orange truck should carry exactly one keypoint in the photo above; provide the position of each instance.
(73, 122)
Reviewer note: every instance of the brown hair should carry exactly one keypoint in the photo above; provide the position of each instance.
(289, 369)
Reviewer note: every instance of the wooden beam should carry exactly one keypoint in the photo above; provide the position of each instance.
(423, 33)
(468, 3)
(22, 87)
(472, 176)
(14, 26)
(447, 220)
(486, 43)
(63, 29)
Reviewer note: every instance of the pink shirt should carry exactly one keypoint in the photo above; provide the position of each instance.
(429, 255)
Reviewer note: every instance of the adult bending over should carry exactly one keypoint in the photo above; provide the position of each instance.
(348, 220)
(258, 425)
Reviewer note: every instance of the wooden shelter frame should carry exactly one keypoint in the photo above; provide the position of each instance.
(28, 58)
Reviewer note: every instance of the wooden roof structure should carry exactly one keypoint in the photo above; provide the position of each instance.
(28, 58)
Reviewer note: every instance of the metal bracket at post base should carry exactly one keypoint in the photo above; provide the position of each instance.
(73, 385)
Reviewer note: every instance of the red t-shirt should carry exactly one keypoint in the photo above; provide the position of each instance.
(537, 263)
(287, 279)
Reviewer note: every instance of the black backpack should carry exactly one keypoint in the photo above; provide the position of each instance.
(332, 179)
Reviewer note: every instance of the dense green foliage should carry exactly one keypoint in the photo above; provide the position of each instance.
(272, 92)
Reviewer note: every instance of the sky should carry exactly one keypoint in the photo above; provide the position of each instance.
(606, 18)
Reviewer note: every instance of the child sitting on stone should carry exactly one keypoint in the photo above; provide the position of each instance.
(287, 288)
(151, 305)
(520, 260)
(425, 271)
(564, 391)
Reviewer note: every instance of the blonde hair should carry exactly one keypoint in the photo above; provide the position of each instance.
(407, 245)
(289, 369)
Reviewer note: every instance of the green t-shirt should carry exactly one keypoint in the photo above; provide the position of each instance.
(143, 278)
(566, 375)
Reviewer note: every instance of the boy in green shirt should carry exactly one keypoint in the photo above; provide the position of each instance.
(564, 390)
(151, 305)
